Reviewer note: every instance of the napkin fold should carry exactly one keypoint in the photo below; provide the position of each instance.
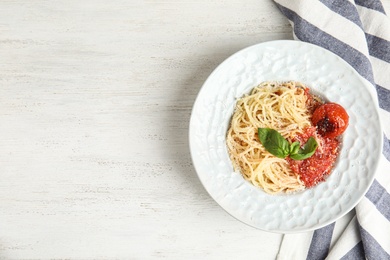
(359, 32)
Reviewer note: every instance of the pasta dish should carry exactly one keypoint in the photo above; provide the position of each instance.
(283, 163)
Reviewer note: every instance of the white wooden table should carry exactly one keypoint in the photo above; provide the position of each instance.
(95, 101)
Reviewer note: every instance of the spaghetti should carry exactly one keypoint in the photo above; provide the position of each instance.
(286, 107)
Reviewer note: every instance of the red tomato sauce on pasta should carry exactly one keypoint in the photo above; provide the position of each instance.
(314, 169)
(329, 121)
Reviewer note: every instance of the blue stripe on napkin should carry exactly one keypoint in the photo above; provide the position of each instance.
(345, 9)
(378, 195)
(371, 4)
(372, 247)
(386, 147)
(383, 97)
(378, 47)
(320, 243)
(356, 253)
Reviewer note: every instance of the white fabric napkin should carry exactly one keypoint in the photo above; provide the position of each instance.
(359, 32)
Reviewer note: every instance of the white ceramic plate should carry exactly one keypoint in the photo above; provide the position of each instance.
(326, 74)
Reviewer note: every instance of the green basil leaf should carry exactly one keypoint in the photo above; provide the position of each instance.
(262, 133)
(294, 147)
(308, 150)
(299, 156)
(274, 142)
(310, 146)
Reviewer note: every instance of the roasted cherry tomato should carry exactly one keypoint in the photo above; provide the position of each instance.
(330, 119)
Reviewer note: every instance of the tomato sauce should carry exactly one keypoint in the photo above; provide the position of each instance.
(329, 121)
(315, 168)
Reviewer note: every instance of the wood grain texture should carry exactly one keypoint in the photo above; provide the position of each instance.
(95, 101)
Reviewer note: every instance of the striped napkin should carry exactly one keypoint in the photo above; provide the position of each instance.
(359, 32)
